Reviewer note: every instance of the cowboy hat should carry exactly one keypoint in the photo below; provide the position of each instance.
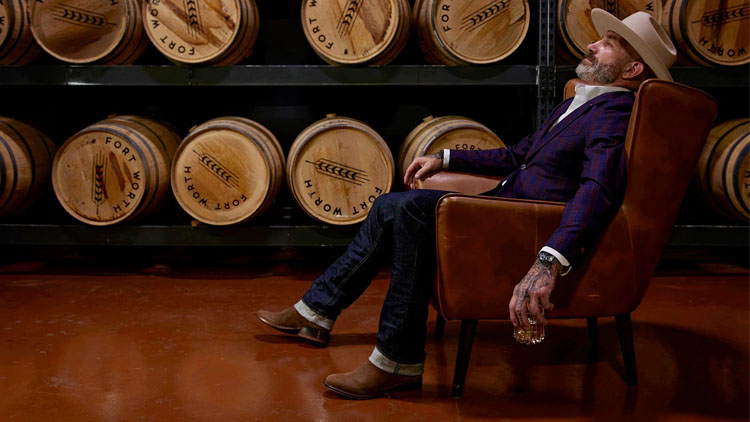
(644, 34)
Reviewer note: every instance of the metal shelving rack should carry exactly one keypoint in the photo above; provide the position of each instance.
(544, 76)
(262, 75)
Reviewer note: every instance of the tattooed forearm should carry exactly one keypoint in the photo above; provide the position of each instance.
(531, 295)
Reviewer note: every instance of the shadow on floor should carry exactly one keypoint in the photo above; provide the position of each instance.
(679, 371)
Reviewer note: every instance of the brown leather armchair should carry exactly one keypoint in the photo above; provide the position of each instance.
(485, 245)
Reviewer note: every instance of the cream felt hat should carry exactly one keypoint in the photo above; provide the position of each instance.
(644, 34)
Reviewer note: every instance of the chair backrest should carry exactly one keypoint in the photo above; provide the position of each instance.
(667, 131)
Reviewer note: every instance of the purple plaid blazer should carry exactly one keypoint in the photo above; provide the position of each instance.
(580, 161)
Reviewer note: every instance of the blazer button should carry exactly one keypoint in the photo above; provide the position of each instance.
(523, 166)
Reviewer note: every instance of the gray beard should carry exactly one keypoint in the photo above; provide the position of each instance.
(598, 73)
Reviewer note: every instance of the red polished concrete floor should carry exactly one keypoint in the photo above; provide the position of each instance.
(92, 339)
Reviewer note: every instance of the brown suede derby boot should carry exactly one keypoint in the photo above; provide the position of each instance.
(368, 382)
(291, 322)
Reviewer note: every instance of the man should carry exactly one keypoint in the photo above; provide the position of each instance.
(576, 157)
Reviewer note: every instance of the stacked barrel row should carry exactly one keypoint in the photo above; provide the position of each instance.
(225, 171)
(230, 169)
(223, 32)
(350, 32)
(706, 32)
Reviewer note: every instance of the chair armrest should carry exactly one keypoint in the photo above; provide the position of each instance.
(454, 181)
(485, 245)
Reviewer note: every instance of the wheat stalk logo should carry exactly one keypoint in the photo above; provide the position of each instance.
(192, 17)
(80, 17)
(722, 16)
(340, 171)
(217, 169)
(483, 15)
(346, 22)
(97, 179)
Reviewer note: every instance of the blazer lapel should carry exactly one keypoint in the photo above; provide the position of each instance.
(550, 134)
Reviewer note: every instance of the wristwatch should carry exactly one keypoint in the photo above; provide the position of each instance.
(549, 261)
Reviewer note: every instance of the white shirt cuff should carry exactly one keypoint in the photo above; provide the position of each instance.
(559, 257)
(446, 158)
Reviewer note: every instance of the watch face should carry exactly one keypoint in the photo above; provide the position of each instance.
(547, 258)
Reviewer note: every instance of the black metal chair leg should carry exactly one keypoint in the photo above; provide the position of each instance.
(468, 330)
(593, 331)
(625, 334)
(439, 327)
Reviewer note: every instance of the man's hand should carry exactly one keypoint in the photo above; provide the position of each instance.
(421, 167)
(532, 294)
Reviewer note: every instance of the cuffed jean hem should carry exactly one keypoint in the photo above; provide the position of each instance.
(309, 314)
(382, 362)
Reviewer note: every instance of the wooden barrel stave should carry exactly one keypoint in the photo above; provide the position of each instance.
(722, 174)
(160, 141)
(17, 44)
(26, 156)
(244, 44)
(134, 43)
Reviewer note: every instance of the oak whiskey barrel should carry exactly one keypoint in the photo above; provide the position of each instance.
(208, 32)
(337, 167)
(356, 32)
(26, 156)
(710, 32)
(723, 171)
(227, 170)
(115, 170)
(17, 44)
(576, 29)
(89, 31)
(447, 132)
(470, 31)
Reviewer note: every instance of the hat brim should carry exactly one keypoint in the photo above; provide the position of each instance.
(604, 22)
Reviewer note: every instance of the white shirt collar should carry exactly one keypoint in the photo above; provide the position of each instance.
(589, 92)
(586, 93)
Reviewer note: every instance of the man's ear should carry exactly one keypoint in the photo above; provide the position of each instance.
(633, 70)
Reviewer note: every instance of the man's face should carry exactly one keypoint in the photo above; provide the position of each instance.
(605, 61)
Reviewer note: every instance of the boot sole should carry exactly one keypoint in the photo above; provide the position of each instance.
(314, 335)
(411, 386)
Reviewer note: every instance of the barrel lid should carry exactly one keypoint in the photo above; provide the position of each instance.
(455, 132)
(337, 168)
(725, 24)
(480, 32)
(446, 132)
(193, 31)
(7, 21)
(99, 176)
(80, 31)
(221, 175)
(350, 31)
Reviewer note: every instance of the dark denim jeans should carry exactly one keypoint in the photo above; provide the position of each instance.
(400, 226)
